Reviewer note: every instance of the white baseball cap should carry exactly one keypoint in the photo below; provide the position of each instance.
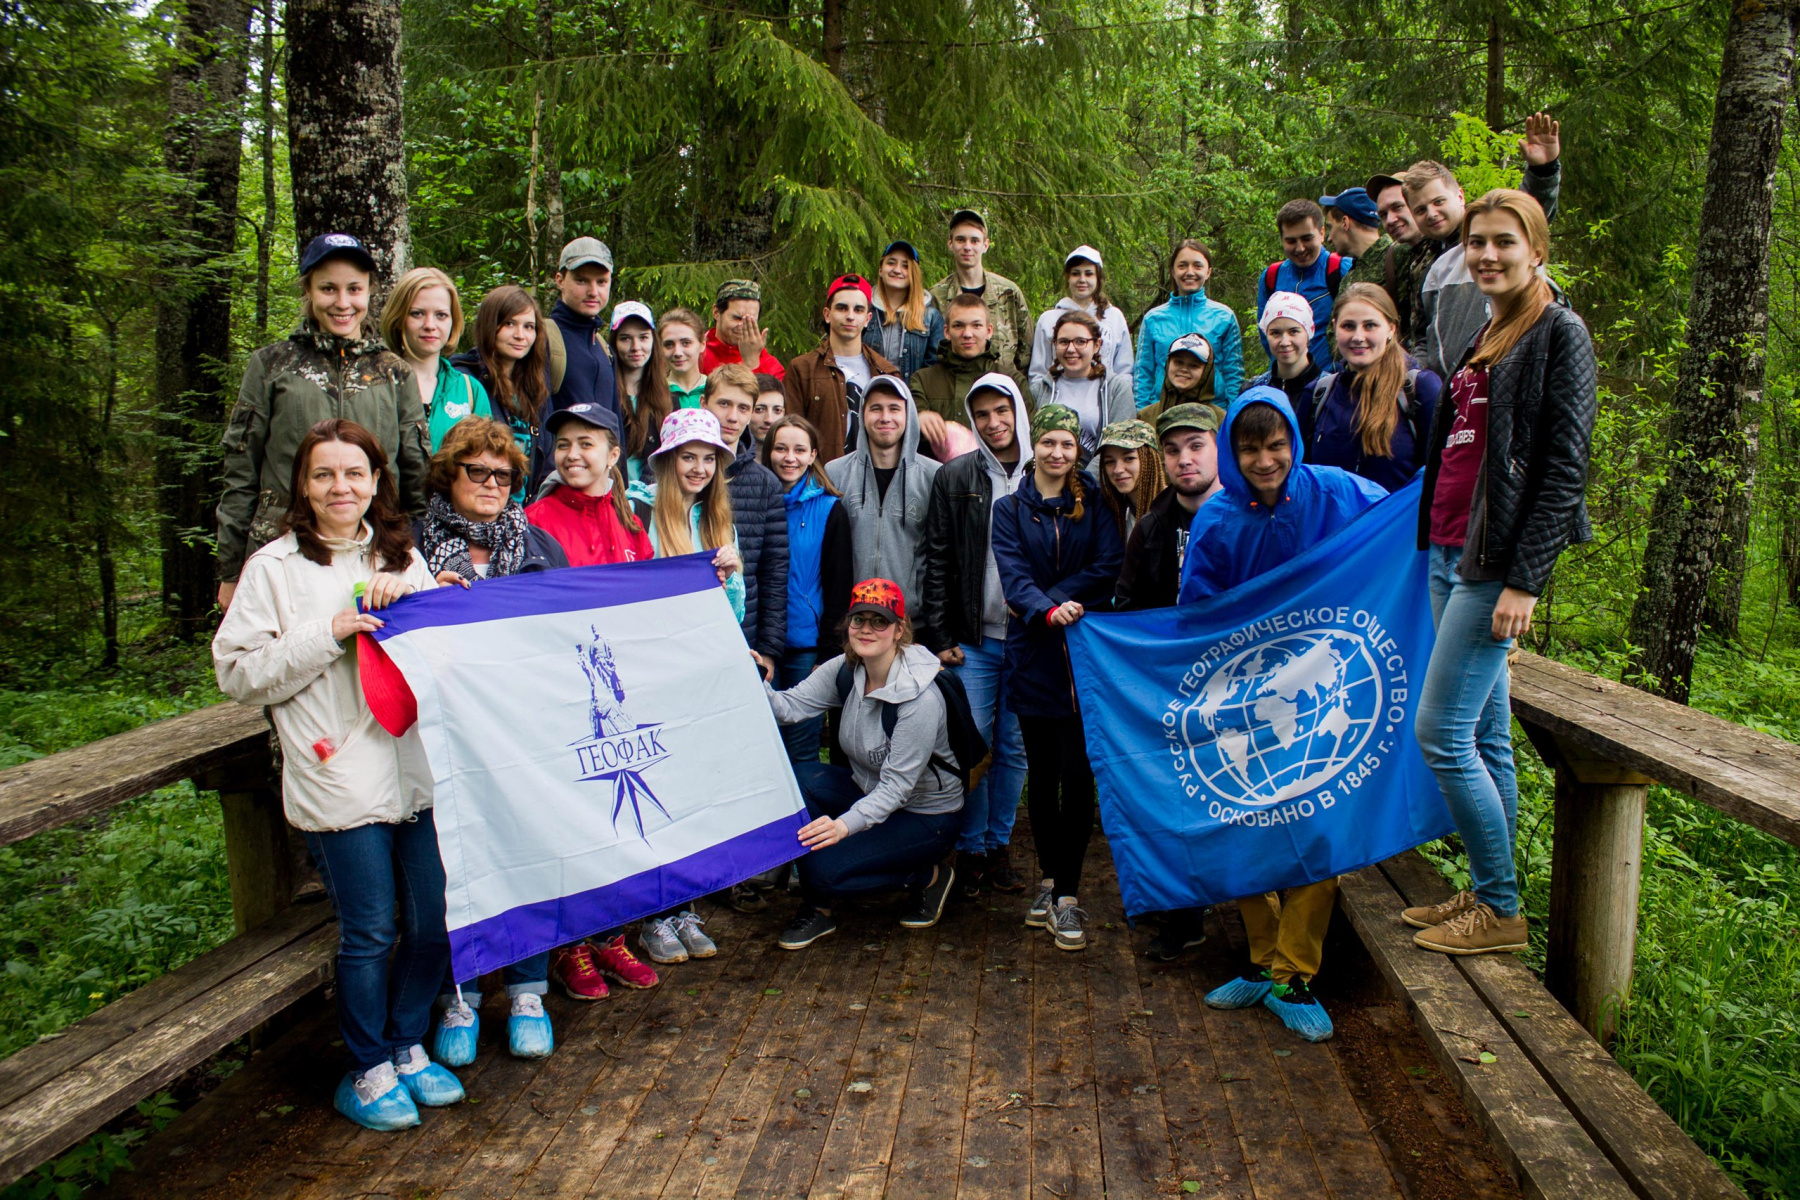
(1083, 251)
(633, 308)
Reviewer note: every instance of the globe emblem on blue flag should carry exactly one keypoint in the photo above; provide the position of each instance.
(1283, 717)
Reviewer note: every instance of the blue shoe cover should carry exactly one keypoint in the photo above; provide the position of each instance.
(1241, 992)
(1303, 1015)
(393, 1109)
(528, 1029)
(458, 1031)
(430, 1084)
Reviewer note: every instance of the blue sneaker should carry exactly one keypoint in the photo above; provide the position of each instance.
(1241, 992)
(1293, 1002)
(459, 1028)
(430, 1084)
(375, 1099)
(528, 1029)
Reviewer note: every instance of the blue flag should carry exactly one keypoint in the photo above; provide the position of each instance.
(1263, 738)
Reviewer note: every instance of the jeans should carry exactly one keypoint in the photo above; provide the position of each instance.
(802, 740)
(384, 1005)
(1061, 798)
(987, 817)
(527, 976)
(898, 853)
(1464, 728)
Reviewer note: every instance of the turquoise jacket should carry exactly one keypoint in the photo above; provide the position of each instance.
(1178, 317)
(458, 396)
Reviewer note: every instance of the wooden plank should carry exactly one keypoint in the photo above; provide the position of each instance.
(996, 1149)
(1065, 1116)
(859, 1146)
(37, 1064)
(1346, 1155)
(1195, 1105)
(60, 788)
(257, 862)
(55, 1116)
(1659, 1160)
(1272, 1139)
(1596, 870)
(1540, 1141)
(1742, 773)
(929, 1137)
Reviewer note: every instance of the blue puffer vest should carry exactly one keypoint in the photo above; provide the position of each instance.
(808, 509)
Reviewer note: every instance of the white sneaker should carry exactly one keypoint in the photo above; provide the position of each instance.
(376, 1082)
(528, 1004)
(661, 942)
(1066, 921)
(696, 943)
(1038, 915)
(458, 1015)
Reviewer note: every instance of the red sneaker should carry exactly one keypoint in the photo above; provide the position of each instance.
(616, 962)
(573, 969)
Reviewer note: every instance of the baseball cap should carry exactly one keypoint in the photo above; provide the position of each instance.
(912, 251)
(686, 425)
(597, 415)
(1353, 203)
(1194, 344)
(1380, 183)
(854, 282)
(1205, 417)
(633, 308)
(1083, 251)
(583, 251)
(967, 216)
(880, 596)
(336, 245)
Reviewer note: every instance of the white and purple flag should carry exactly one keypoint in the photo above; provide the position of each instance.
(600, 745)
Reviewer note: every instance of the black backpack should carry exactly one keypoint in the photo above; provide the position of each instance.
(966, 742)
(1410, 412)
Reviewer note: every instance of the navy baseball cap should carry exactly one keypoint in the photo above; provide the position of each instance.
(336, 245)
(1355, 204)
(597, 415)
(912, 251)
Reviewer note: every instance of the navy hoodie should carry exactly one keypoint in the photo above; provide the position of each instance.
(588, 378)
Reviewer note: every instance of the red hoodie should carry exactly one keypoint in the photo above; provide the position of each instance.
(588, 528)
(717, 353)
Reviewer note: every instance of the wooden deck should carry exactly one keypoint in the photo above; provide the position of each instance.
(970, 1060)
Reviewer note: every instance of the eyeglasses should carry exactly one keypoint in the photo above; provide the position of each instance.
(479, 474)
(1073, 343)
(873, 621)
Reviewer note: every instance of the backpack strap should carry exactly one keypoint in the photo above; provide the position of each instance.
(1334, 274)
(1269, 275)
(1322, 389)
(1390, 273)
(1410, 409)
(556, 355)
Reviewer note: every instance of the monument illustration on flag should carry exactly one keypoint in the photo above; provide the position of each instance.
(600, 744)
(1263, 738)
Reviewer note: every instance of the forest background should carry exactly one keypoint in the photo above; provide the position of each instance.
(148, 235)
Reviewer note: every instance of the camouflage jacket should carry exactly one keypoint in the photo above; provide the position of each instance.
(288, 388)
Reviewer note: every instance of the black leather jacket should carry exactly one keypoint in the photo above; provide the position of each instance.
(1151, 576)
(955, 549)
(1530, 501)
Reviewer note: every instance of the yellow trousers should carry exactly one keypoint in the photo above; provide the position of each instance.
(1287, 931)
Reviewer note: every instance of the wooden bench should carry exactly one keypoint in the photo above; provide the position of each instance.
(60, 1090)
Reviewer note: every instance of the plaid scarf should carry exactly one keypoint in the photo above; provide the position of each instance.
(449, 535)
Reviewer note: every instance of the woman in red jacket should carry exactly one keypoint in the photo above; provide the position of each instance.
(588, 513)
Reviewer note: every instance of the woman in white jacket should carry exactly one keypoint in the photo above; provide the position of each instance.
(361, 796)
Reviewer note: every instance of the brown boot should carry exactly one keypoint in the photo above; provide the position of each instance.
(1424, 916)
(1476, 931)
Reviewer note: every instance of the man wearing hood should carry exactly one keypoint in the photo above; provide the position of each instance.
(962, 616)
(1272, 507)
(885, 487)
(968, 353)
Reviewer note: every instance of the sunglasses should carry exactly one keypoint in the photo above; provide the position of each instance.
(479, 474)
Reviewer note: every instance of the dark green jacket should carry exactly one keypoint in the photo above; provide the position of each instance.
(288, 388)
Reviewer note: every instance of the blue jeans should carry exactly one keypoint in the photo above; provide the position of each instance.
(1464, 728)
(988, 814)
(528, 975)
(802, 740)
(384, 1005)
(898, 853)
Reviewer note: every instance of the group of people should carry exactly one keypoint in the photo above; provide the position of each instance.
(906, 520)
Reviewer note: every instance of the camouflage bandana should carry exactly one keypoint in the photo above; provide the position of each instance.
(1128, 435)
(1052, 417)
(738, 289)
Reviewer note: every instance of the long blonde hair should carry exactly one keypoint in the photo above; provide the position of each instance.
(669, 514)
(405, 293)
(1377, 387)
(1506, 328)
(912, 312)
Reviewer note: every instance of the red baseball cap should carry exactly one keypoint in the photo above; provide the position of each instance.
(856, 282)
(881, 596)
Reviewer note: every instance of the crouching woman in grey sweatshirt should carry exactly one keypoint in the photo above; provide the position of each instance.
(889, 820)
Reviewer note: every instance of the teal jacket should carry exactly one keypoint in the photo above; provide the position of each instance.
(458, 396)
(1178, 317)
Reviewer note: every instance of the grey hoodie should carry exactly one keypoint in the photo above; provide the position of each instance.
(896, 773)
(885, 534)
(993, 598)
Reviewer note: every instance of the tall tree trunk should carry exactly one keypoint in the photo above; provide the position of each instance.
(1294, 34)
(726, 225)
(1721, 372)
(833, 40)
(105, 513)
(193, 318)
(265, 233)
(1725, 599)
(549, 165)
(1496, 75)
(345, 126)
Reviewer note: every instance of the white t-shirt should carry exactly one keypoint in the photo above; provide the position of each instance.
(856, 371)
